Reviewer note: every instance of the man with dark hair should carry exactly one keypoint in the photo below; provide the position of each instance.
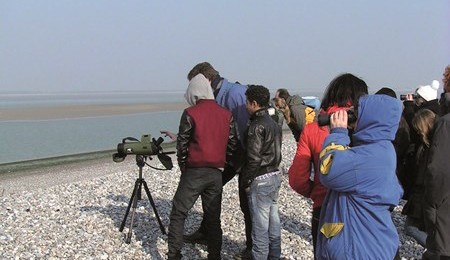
(200, 156)
(293, 109)
(261, 177)
(232, 97)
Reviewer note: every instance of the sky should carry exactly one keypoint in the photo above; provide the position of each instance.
(115, 45)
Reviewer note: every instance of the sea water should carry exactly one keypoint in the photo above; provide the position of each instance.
(37, 139)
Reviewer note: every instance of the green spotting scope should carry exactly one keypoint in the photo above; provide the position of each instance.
(147, 146)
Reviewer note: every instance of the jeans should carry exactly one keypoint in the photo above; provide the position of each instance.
(266, 227)
(195, 182)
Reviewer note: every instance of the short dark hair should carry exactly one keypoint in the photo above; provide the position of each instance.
(258, 93)
(204, 68)
(283, 93)
(342, 90)
(386, 91)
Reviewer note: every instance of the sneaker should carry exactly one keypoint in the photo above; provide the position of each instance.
(195, 238)
(246, 253)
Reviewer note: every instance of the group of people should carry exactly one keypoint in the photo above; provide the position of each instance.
(349, 169)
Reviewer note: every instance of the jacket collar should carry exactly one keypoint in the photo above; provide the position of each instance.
(259, 113)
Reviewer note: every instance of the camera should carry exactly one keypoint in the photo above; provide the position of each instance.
(147, 146)
(324, 119)
(403, 96)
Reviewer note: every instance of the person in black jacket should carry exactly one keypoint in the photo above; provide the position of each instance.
(437, 193)
(206, 141)
(261, 177)
(426, 97)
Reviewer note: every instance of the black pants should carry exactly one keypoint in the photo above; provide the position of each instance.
(228, 175)
(315, 226)
(195, 182)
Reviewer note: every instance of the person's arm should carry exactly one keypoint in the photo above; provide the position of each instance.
(298, 118)
(300, 170)
(169, 134)
(254, 141)
(184, 136)
(233, 142)
(336, 161)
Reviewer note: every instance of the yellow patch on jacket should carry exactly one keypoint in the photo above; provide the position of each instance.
(327, 159)
(330, 230)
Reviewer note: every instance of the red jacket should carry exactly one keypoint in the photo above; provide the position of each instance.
(308, 150)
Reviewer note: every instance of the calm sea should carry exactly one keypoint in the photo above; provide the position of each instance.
(37, 139)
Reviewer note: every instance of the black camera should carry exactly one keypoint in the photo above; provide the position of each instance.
(325, 119)
(147, 146)
(403, 96)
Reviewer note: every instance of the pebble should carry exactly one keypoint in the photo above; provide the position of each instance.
(81, 220)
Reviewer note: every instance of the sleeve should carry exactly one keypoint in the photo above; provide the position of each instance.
(300, 170)
(336, 159)
(255, 138)
(437, 178)
(231, 154)
(184, 135)
(297, 119)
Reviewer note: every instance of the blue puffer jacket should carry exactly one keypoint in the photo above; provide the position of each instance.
(355, 218)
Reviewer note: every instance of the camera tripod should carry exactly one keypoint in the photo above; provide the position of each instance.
(135, 196)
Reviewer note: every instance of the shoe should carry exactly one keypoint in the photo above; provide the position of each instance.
(244, 254)
(195, 238)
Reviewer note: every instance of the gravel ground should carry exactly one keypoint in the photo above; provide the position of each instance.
(74, 211)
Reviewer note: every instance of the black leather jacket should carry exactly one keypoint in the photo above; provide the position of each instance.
(263, 146)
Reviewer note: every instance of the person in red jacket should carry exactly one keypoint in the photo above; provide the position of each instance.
(342, 93)
(206, 142)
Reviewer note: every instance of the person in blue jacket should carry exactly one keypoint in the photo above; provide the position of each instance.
(355, 219)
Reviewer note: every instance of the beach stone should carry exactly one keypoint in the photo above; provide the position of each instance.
(81, 219)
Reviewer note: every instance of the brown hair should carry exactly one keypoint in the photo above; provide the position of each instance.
(446, 79)
(423, 123)
(204, 68)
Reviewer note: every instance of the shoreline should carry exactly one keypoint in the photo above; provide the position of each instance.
(81, 111)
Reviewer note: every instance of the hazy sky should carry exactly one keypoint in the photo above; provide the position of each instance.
(60, 45)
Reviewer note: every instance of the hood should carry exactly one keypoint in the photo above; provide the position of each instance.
(378, 119)
(199, 88)
(294, 100)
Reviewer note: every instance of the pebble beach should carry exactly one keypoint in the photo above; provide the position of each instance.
(74, 211)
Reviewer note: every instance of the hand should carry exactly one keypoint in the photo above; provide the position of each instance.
(247, 190)
(339, 119)
(409, 97)
(169, 134)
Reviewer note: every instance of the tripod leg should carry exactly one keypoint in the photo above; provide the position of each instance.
(129, 206)
(133, 212)
(161, 226)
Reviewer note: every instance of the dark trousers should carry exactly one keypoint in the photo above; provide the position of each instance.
(195, 182)
(315, 226)
(228, 175)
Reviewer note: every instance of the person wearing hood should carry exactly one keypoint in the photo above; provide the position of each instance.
(355, 222)
(293, 109)
(342, 92)
(206, 141)
(231, 96)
